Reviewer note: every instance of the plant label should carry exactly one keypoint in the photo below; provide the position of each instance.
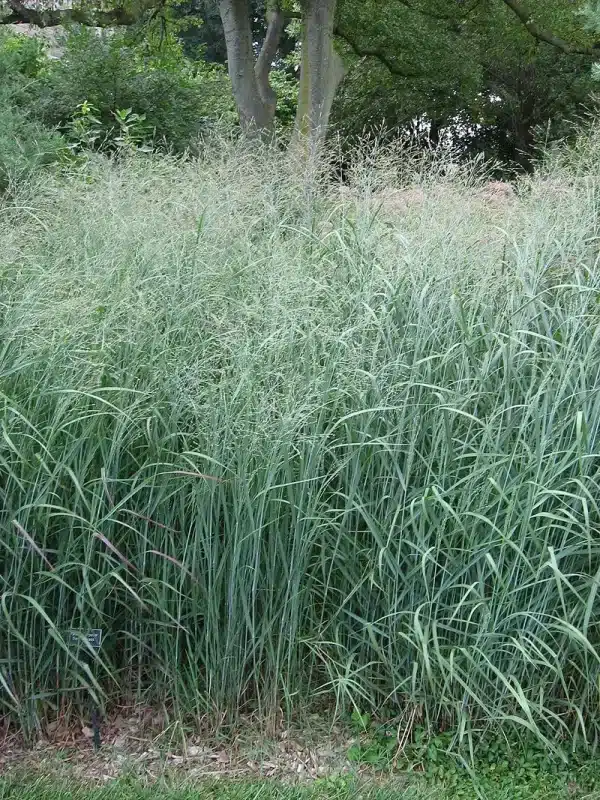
(93, 637)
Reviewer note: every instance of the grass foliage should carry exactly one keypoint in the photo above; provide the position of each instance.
(25, 146)
(287, 448)
(131, 790)
(335, 788)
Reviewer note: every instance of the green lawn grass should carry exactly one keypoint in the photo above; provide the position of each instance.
(325, 790)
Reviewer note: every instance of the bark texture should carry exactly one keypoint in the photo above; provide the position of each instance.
(251, 89)
(321, 71)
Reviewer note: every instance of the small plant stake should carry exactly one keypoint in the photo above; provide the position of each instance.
(94, 640)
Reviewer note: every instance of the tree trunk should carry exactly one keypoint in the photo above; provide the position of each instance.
(255, 105)
(434, 133)
(321, 71)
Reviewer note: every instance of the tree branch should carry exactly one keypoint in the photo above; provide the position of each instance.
(50, 18)
(374, 52)
(528, 20)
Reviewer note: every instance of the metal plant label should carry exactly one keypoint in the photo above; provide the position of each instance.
(93, 637)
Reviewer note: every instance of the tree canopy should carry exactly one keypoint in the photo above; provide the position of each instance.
(472, 69)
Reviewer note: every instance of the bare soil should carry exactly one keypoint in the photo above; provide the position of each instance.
(143, 743)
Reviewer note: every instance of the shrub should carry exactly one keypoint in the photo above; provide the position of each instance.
(25, 146)
(20, 56)
(110, 72)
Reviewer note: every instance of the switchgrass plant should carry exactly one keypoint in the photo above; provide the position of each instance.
(288, 449)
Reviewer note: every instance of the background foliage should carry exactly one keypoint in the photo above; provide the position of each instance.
(466, 73)
(114, 71)
(469, 72)
(25, 143)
